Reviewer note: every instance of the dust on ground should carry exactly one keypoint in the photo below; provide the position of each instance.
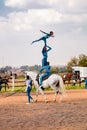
(70, 114)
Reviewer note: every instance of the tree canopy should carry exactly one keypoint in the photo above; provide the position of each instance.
(80, 61)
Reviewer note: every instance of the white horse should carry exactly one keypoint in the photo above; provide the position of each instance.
(54, 81)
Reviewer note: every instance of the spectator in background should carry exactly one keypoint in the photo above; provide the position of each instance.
(85, 80)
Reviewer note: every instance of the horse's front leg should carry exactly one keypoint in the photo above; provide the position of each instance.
(45, 97)
(0, 87)
(37, 92)
(5, 87)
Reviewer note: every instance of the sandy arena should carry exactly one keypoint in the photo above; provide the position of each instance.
(70, 114)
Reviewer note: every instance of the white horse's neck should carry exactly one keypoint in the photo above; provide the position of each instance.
(32, 74)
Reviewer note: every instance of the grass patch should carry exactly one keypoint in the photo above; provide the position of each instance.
(68, 87)
(16, 89)
(21, 88)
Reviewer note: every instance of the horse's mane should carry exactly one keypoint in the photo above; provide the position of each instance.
(32, 74)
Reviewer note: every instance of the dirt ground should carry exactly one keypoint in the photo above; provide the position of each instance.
(70, 114)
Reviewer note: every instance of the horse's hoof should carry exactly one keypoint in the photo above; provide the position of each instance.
(46, 101)
(60, 101)
(35, 100)
(54, 100)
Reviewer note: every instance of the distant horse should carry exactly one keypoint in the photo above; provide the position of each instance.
(75, 77)
(67, 77)
(54, 81)
(4, 81)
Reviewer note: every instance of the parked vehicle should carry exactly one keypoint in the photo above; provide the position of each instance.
(82, 71)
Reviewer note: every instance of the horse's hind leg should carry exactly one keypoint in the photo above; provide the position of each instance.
(55, 95)
(60, 99)
(7, 85)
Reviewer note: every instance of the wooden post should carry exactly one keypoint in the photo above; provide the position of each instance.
(13, 81)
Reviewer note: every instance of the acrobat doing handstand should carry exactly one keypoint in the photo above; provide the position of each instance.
(44, 37)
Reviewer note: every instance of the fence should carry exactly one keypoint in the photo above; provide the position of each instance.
(16, 83)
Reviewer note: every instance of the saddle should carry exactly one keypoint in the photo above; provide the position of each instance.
(38, 76)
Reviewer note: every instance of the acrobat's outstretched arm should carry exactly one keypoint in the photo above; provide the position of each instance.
(51, 35)
(43, 32)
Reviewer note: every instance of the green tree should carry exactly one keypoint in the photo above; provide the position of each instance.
(5, 69)
(73, 62)
(54, 69)
(82, 60)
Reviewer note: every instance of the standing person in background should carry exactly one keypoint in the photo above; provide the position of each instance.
(44, 37)
(28, 88)
(85, 81)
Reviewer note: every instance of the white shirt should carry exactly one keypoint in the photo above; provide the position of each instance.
(28, 83)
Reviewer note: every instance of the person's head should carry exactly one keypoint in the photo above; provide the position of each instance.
(27, 77)
(44, 49)
(51, 33)
(48, 63)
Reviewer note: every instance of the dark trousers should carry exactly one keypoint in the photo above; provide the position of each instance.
(43, 76)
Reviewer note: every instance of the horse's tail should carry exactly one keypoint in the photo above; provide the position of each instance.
(57, 84)
(61, 85)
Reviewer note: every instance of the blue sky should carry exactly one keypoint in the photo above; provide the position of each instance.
(22, 20)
